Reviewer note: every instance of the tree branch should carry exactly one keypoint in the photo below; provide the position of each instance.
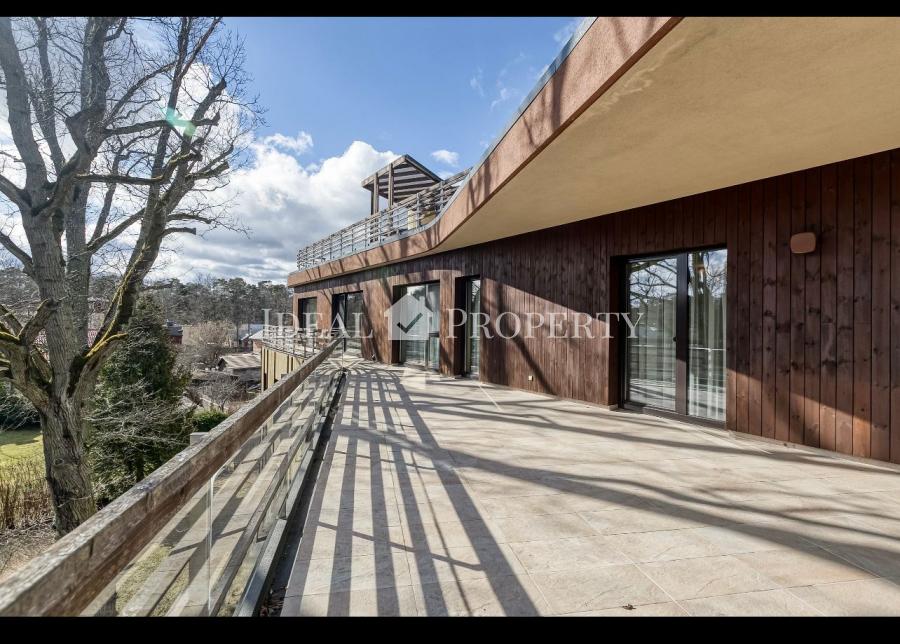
(45, 103)
(35, 325)
(19, 113)
(99, 241)
(17, 252)
(199, 47)
(170, 168)
(12, 192)
(9, 322)
(151, 125)
(179, 229)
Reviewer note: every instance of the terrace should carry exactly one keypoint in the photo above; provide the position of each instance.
(444, 496)
(415, 196)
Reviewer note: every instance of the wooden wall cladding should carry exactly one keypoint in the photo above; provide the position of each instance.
(813, 340)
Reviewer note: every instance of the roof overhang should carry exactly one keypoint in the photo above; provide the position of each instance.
(646, 110)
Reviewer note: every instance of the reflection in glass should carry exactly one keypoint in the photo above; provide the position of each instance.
(706, 360)
(349, 308)
(307, 315)
(420, 313)
(650, 366)
(473, 309)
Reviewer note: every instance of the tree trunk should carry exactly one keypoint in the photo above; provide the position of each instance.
(67, 467)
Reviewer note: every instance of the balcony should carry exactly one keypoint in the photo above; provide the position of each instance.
(439, 496)
(410, 215)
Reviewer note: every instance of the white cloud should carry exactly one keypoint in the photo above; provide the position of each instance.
(563, 34)
(286, 206)
(298, 145)
(476, 82)
(446, 157)
(503, 95)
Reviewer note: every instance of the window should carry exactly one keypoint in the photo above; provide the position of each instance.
(420, 308)
(675, 359)
(307, 313)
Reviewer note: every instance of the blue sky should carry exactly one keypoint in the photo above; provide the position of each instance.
(414, 85)
(346, 96)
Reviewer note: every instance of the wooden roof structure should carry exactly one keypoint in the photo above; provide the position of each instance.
(401, 178)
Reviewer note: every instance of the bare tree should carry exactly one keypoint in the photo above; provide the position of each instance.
(123, 132)
(204, 343)
(219, 390)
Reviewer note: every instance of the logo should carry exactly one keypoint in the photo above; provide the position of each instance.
(411, 318)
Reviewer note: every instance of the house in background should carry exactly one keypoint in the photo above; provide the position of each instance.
(244, 367)
(246, 333)
(175, 332)
(255, 342)
(730, 183)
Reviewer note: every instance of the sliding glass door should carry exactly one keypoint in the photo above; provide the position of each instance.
(420, 308)
(348, 307)
(650, 348)
(675, 356)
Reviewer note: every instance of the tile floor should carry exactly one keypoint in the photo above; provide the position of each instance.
(446, 497)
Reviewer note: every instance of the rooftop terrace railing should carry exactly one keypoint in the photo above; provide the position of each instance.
(301, 343)
(404, 218)
(197, 535)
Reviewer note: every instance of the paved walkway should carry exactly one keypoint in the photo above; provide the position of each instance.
(441, 496)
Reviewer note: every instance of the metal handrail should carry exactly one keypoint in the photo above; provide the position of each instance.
(301, 343)
(404, 218)
(298, 342)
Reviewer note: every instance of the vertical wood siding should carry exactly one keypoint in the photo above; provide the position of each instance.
(813, 341)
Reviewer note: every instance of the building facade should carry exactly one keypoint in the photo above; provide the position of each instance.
(732, 185)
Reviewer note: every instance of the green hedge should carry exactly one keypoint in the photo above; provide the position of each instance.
(15, 410)
(205, 419)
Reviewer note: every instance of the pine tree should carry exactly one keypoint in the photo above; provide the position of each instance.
(136, 417)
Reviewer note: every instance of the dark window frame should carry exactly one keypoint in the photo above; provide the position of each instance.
(681, 333)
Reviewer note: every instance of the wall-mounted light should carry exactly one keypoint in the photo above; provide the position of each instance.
(803, 243)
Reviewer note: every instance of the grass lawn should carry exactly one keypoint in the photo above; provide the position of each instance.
(20, 443)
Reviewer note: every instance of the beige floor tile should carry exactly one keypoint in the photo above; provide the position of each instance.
(644, 519)
(441, 511)
(740, 538)
(450, 534)
(868, 597)
(498, 596)
(802, 567)
(879, 555)
(355, 496)
(506, 487)
(317, 576)
(379, 602)
(664, 545)
(572, 591)
(327, 542)
(484, 559)
(543, 527)
(361, 517)
(706, 577)
(665, 609)
(558, 503)
(763, 603)
(568, 554)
